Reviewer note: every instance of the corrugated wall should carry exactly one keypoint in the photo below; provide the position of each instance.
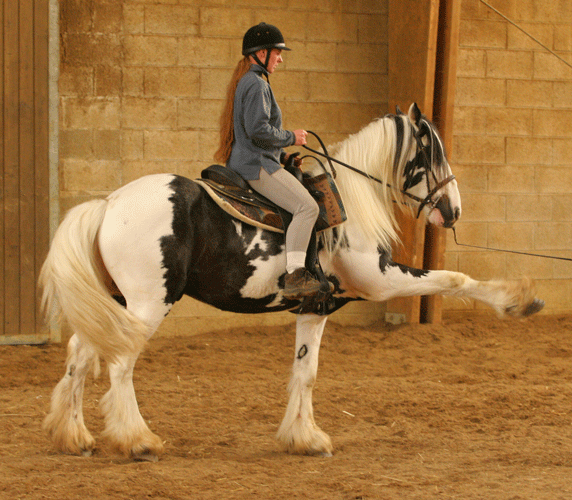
(24, 152)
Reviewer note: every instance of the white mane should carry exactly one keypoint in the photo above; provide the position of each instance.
(369, 204)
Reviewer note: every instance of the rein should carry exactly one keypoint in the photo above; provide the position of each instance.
(507, 251)
(427, 201)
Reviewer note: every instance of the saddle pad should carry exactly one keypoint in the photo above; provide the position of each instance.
(251, 213)
(263, 214)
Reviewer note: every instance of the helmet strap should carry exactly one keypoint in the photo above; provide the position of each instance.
(259, 62)
(268, 51)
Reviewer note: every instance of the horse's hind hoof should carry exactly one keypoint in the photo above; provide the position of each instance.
(532, 308)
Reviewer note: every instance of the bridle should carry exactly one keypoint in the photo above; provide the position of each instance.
(423, 202)
(429, 200)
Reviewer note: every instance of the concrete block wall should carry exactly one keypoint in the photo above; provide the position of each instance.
(511, 148)
(143, 81)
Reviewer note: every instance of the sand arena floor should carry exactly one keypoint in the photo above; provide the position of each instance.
(476, 408)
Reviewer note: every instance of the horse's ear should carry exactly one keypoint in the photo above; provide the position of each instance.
(414, 113)
(398, 110)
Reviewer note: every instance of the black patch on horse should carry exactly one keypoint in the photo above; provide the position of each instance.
(205, 257)
(385, 261)
(399, 136)
(416, 273)
(412, 176)
(173, 247)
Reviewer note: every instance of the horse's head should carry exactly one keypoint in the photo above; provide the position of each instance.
(427, 179)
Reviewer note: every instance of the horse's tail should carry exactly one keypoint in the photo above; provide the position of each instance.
(74, 287)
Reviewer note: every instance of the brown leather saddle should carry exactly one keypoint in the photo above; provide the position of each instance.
(233, 194)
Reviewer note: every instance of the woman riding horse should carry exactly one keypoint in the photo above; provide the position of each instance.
(252, 139)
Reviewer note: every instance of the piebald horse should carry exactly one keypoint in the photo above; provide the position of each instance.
(117, 265)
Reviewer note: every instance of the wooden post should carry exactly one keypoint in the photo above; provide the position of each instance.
(11, 206)
(412, 52)
(443, 106)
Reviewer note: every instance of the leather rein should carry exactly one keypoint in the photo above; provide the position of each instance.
(428, 200)
(423, 202)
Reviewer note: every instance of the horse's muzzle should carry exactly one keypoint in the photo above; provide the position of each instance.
(449, 213)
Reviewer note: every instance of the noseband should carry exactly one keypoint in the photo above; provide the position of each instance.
(423, 202)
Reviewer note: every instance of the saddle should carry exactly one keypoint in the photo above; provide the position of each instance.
(233, 194)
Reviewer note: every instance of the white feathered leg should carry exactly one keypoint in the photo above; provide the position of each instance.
(130, 245)
(362, 274)
(65, 422)
(298, 432)
(124, 425)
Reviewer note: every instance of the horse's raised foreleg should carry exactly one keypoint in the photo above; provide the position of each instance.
(298, 432)
(65, 422)
(374, 276)
(506, 297)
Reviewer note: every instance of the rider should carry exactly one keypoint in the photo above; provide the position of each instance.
(251, 142)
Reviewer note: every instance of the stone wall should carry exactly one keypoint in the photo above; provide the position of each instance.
(512, 143)
(142, 86)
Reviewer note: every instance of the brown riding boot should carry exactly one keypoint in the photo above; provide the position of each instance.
(300, 283)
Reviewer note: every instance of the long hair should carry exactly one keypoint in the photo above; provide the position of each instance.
(380, 149)
(226, 119)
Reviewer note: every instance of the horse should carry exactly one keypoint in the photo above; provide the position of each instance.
(116, 266)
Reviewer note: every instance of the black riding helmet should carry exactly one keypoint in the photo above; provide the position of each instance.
(262, 36)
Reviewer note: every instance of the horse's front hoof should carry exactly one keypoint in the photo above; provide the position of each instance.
(146, 457)
(532, 308)
(305, 438)
(148, 452)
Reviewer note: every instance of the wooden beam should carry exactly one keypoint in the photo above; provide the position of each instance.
(42, 142)
(412, 52)
(2, 168)
(11, 172)
(413, 28)
(26, 171)
(443, 106)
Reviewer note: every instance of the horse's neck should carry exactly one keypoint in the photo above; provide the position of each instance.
(370, 205)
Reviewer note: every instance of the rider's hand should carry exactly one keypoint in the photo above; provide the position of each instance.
(300, 137)
(293, 159)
